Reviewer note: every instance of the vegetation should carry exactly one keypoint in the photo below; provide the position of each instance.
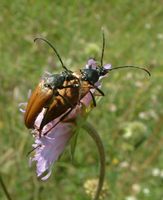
(129, 118)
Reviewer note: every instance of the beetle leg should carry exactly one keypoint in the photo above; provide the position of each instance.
(33, 149)
(93, 99)
(100, 91)
(61, 119)
(47, 108)
(46, 112)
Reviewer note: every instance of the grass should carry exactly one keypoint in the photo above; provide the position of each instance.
(129, 118)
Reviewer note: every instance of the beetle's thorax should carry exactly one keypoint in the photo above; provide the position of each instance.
(68, 75)
(54, 81)
(92, 75)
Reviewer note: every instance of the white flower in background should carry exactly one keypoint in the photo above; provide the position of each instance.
(124, 164)
(156, 172)
(134, 130)
(131, 198)
(146, 191)
(148, 26)
(136, 188)
(90, 187)
(143, 115)
(160, 36)
(161, 173)
(128, 133)
(112, 107)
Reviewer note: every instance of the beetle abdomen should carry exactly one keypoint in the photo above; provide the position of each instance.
(38, 100)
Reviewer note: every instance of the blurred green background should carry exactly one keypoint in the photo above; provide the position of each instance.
(129, 118)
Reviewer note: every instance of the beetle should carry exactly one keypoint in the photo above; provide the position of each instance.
(94, 71)
(87, 77)
(52, 91)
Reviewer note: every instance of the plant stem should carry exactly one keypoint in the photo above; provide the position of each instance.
(5, 188)
(95, 136)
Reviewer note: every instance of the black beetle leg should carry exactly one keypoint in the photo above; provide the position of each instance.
(33, 149)
(100, 91)
(46, 112)
(61, 119)
(93, 99)
(65, 115)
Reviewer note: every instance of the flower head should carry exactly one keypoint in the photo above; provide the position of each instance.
(49, 147)
(91, 185)
(92, 63)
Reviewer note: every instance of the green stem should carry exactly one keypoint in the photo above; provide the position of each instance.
(95, 136)
(5, 188)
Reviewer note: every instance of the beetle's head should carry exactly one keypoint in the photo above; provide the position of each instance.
(94, 71)
(90, 75)
(102, 71)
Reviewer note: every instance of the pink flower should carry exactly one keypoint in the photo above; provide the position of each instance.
(49, 147)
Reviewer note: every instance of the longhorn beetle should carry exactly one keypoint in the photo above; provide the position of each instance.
(92, 75)
(54, 91)
(88, 77)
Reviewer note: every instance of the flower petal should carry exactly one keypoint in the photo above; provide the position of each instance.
(46, 176)
(107, 66)
(91, 64)
(51, 146)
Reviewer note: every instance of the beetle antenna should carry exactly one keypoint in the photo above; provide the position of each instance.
(131, 66)
(103, 47)
(56, 52)
(33, 149)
